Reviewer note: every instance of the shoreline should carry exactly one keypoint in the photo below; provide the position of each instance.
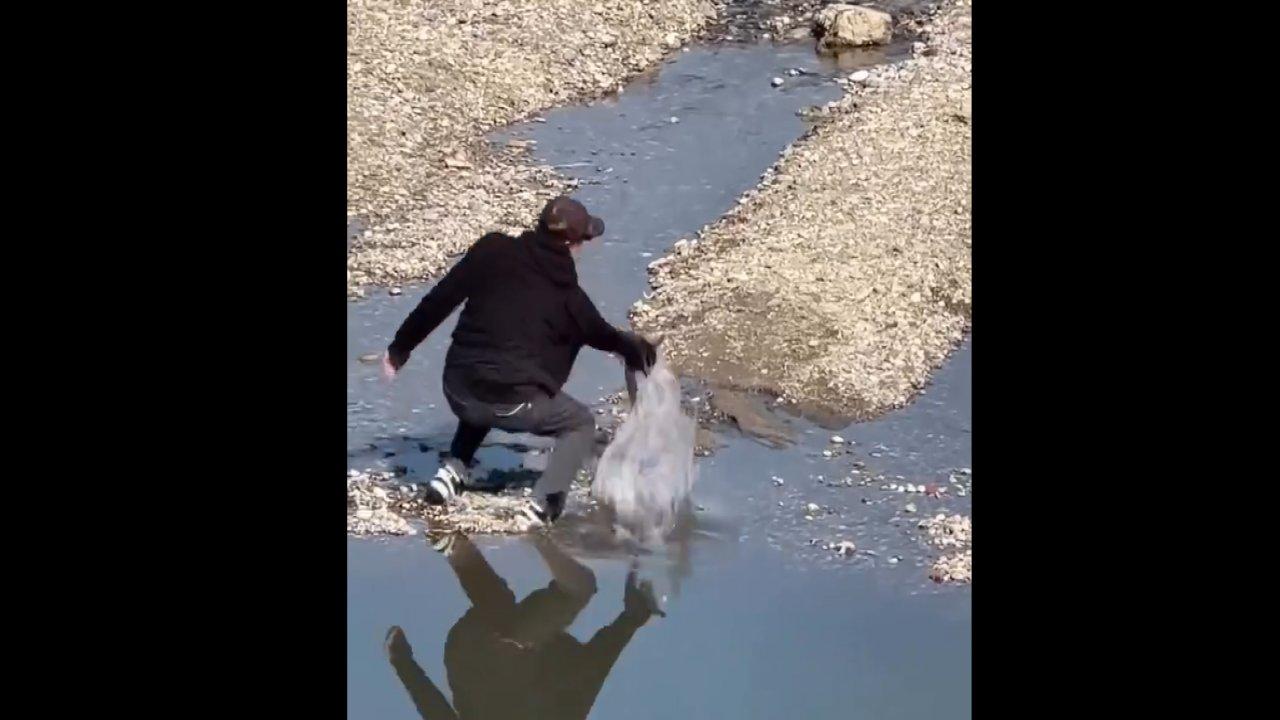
(850, 261)
(427, 81)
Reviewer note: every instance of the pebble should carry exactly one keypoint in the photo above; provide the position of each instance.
(895, 560)
(910, 508)
(777, 82)
(859, 76)
(674, 119)
(836, 439)
(845, 548)
(778, 482)
(814, 508)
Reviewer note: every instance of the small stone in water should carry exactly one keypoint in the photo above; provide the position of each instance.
(777, 82)
(813, 508)
(837, 439)
(860, 76)
(394, 291)
(894, 560)
(674, 119)
(910, 508)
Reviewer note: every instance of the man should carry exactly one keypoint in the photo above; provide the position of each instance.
(524, 321)
(509, 659)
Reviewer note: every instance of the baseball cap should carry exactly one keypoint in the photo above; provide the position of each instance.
(564, 215)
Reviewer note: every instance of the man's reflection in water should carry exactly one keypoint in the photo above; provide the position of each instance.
(516, 660)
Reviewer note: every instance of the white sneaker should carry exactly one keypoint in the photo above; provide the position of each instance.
(450, 479)
(543, 513)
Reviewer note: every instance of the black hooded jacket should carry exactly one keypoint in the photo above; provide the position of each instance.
(524, 321)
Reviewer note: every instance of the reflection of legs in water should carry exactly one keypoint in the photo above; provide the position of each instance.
(431, 703)
(547, 612)
(487, 591)
(570, 574)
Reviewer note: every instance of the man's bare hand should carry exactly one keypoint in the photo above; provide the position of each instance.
(389, 368)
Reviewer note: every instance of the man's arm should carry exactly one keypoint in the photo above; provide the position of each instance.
(602, 651)
(638, 353)
(438, 304)
(426, 697)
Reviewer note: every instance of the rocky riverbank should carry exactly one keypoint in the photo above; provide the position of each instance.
(953, 532)
(382, 503)
(427, 80)
(843, 281)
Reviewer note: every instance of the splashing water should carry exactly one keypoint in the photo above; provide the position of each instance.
(646, 474)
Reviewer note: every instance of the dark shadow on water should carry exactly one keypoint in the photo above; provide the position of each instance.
(509, 659)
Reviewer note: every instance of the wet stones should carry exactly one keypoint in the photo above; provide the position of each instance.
(381, 503)
(954, 532)
(957, 568)
(370, 509)
(844, 548)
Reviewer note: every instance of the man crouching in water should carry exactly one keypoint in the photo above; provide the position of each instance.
(524, 321)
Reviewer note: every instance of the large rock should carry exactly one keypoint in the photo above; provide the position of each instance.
(847, 26)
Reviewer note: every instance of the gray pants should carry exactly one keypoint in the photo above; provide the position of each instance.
(559, 416)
